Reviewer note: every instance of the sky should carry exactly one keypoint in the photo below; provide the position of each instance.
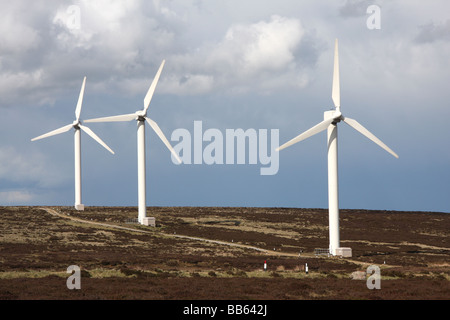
(229, 65)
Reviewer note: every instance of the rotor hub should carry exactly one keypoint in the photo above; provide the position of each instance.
(76, 124)
(141, 114)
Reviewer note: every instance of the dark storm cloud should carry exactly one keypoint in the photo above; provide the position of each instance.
(355, 8)
(433, 32)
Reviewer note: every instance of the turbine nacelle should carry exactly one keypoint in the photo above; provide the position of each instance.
(337, 116)
(141, 115)
(76, 124)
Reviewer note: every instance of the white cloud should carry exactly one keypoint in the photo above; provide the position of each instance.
(260, 55)
(19, 36)
(41, 53)
(122, 42)
(263, 46)
(191, 84)
(108, 29)
(16, 196)
(26, 84)
(31, 167)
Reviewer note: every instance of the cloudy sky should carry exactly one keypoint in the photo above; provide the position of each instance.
(229, 64)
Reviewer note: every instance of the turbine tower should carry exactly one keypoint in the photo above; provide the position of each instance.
(141, 117)
(77, 137)
(331, 119)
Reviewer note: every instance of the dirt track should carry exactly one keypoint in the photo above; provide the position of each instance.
(287, 254)
(53, 212)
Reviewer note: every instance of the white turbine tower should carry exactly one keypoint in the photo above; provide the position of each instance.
(77, 126)
(331, 119)
(141, 117)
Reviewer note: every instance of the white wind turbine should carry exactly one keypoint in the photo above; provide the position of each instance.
(77, 137)
(141, 116)
(331, 118)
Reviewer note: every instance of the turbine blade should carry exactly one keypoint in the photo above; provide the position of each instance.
(95, 137)
(336, 90)
(54, 132)
(358, 127)
(124, 117)
(308, 133)
(161, 135)
(152, 88)
(80, 100)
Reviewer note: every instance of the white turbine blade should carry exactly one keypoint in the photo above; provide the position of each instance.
(308, 133)
(54, 132)
(161, 135)
(124, 117)
(358, 127)
(95, 137)
(336, 91)
(152, 88)
(80, 100)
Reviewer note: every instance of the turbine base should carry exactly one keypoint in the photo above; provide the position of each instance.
(344, 252)
(79, 207)
(149, 221)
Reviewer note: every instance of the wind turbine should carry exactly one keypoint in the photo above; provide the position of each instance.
(77, 137)
(331, 119)
(141, 117)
